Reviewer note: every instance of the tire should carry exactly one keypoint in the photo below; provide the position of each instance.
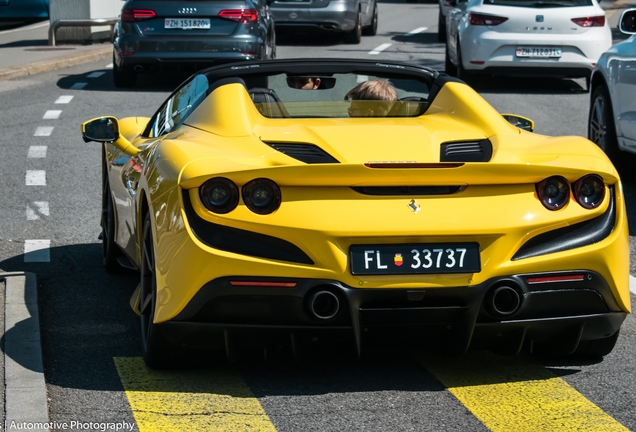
(372, 29)
(441, 27)
(355, 36)
(110, 250)
(123, 79)
(449, 67)
(602, 131)
(157, 352)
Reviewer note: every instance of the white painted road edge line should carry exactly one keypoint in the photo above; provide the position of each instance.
(632, 284)
(416, 31)
(379, 49)
(25, 387)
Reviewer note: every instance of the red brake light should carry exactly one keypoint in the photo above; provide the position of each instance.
(595, 21)
(241, 16)
(486, 20)
(132, 15)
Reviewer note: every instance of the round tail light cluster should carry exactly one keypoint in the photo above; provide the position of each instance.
(220, 195)
(554, 192)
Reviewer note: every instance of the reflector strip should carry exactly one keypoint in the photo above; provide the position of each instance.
(547, 279)
(401, 165)
(266, 284)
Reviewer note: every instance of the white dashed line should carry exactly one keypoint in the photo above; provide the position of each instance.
(43, 131)
(64, 99)
(78, 86)
(52, 115)
(362, 78)
(37, 208)
(37, 251)
(632, 284)
(379, 49)
(109, 66)
(35, 178)
(416, 31)
(95, 75)
(36, 152)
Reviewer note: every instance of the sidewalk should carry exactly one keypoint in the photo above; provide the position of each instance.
(25, 51)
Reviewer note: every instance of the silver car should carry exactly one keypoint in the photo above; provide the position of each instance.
(352, 18)
(612, 117)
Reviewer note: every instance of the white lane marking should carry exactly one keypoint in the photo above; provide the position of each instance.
(37, 251)
(52, 115)
(64, 99)
(34, 26)
(37, 152)
(379, 49)
(632, 284)
(35, 178)
(95, 75)
(362, 78)
(37, 208)
(109, 66)
(43, 131)
(78, 86)
(416, 31)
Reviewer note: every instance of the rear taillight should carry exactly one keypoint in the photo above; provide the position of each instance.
(132, 15)
(486, 20)
(589, 191)
(219, 195)
(241, 16)
(554, 192)
(595, 21)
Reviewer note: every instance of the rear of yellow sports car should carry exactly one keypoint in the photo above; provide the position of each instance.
(369, 230)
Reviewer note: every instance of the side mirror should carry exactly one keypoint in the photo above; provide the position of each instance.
(627, 22)
(519, 122)
(106, 130)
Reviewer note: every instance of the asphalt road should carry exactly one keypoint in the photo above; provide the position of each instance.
(91, 338)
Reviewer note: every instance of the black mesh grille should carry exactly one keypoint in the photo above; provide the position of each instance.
(308, 153)
(472, 151)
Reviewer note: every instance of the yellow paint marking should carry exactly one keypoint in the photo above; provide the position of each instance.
(513, 394)
(190, 400)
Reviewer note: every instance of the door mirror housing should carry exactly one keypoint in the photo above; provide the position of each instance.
(106, 130)
(519, 121)
(627, 22)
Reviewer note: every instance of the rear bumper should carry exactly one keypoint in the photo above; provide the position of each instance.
(449, 319)
(337, 16)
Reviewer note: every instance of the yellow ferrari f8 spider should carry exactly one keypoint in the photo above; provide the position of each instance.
(268, 203)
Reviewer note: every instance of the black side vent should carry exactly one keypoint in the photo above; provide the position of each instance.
(308, 153)
(470, 151)
(407, 190)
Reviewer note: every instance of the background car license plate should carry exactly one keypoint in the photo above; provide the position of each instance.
(188, 23)
(537, 52)
(415, 258)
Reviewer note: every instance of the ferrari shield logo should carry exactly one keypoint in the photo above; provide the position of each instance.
(413, 205)
(397, 260)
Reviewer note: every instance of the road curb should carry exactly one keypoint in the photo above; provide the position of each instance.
(25, 388)
(99, 53)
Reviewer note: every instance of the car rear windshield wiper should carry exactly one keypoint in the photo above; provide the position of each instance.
(551, 4)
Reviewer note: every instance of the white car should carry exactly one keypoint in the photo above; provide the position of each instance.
(612, 119)
(445, 7)
(558, 38)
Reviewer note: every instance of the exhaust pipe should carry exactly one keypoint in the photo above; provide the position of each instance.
(324, 305)
(504, 300)
(139, 68)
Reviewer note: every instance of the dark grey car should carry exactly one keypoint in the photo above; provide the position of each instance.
(188, 35)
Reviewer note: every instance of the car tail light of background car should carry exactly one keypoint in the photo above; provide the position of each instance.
(241, 16)
(486, 20)
(132, 15)
(554, 192)
(595, 21)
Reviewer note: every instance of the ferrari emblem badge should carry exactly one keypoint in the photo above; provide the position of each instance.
(397, 259)
(413, 205)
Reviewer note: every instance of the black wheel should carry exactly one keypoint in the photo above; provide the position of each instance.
(441, 27)
(449, 67)
(372, 29)
(121, 78)
(109, 249)
(596, 348)
(355, 36)
(602, 130)
(157, 352)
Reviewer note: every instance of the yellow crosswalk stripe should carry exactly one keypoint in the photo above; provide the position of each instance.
(215, 399)
(516, 394)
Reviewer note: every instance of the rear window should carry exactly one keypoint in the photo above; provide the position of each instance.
(540, 4)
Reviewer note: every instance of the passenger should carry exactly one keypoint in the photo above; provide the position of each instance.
(303, 82)
(375, 90)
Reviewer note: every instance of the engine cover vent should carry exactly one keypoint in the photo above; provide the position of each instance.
(308, 153)
(468, 151)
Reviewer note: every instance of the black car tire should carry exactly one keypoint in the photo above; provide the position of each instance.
(372, 29)
(449, 67)
(156, 350)
(355, 36)
(109, 249)
(602, 131)
(123, 79)
(441, 27)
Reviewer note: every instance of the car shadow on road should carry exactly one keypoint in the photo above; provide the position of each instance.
(160, 82)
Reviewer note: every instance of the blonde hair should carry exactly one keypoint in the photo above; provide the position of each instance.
(373, 90)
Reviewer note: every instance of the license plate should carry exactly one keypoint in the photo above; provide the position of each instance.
(415, 258)
(187, 23)
(537, 52)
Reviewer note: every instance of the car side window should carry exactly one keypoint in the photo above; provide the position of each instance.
(176, 109)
